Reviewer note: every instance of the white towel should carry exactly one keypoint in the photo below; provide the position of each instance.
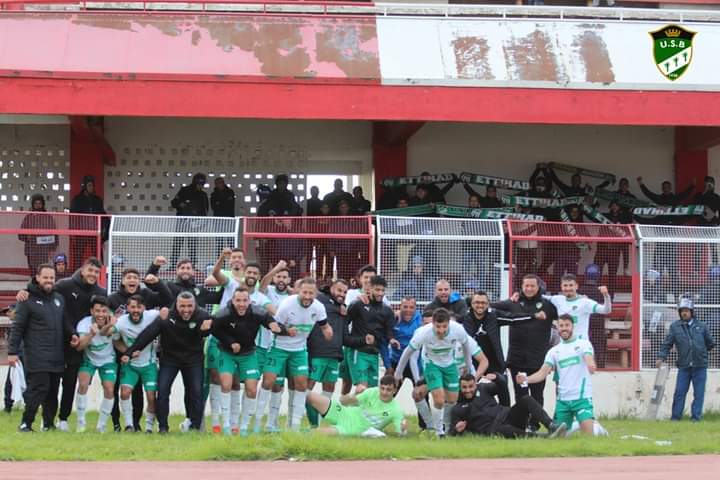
(17, 380)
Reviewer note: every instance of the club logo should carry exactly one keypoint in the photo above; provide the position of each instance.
(538, 305)
(672, 50)
(192, 325)
(57, 302)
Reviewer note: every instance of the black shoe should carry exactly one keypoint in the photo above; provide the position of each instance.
(162, 431)
(148, 431)
(129, 429)
(557, 430)
(24, 428)
(8, 409)
(117, 428)
(49, 428)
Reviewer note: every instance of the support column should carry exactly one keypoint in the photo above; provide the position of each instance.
(390, 151)
(691, 155)
(89, 152)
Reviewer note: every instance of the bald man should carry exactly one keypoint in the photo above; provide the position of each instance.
(446, 298)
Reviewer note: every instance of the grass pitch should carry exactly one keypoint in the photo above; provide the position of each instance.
(684, 437)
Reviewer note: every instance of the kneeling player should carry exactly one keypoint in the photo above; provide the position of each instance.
(573, 362)
(364, 414)
(439, 341)
(96, 332)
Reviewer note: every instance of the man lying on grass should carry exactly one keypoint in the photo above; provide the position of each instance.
(365, 414)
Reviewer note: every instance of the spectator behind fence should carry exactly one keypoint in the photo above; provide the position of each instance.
(711, 201)
(190, 201)
(280, 202)
(222, 201)
(61, 266)
(38, 248)
(313, 204)
(87, 202)
(361, 205)
(333, 198)
(416, 282)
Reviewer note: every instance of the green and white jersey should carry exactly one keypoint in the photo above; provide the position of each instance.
(460, 353)
(580, 308)
(228, 274)
(440, 351)
(377, 413)
(100, 350)
(291, 313)
(567, 358)
(129, 332)
(256, 296)
(276, 297)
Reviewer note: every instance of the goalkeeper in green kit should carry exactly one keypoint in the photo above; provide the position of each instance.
(366, 414)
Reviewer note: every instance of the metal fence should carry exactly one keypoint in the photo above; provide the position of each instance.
(413, 253)
(136, 240)
(677, 262)
(598, 254)
(325, 247)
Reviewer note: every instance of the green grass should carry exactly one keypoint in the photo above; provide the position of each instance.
(686, 438)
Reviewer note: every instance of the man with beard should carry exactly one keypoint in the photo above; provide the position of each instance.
(97, 332)
(580, 307)
(184, 282)
(299, 313)
(371, 324)
(529, 341)
(573, 363)
(251, 276)
(236, 326)
(181, 342)
(77, 292)
(483, 325)
(478, 412)
(130, 285)
(40, 324)
(276, 292)
(325, 356)
(447, 299)
(141, 366)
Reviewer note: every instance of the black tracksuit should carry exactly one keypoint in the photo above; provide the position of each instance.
(223, 202)
(376, 319)
(486, 332)
(484, 416)
(188, 202)
(529, 341)
(77, 296)
(42, 325)
(229, 327)
(203, 296)
(318, 347)
(458, 307)
(181, 343)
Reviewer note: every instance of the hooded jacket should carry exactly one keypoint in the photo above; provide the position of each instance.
(41, 323)
(229, 327)
(376, 319)
(158, 298)
(318, 347)
(39, 244)
(77, 295)
(456, 304)
(482, 413)
(203, 296)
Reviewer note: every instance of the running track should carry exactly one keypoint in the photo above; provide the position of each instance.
(617, 468)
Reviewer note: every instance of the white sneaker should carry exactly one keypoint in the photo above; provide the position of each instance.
(63, 426)
(81, 427)
(185, 425)
(100, 429)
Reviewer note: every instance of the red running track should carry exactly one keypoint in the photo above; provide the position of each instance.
(615, 468)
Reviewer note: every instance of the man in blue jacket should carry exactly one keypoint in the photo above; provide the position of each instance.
(692, 340)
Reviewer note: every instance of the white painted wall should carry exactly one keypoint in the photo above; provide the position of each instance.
(156, 145)
(615, 394)
(714, 163)
(514, 150)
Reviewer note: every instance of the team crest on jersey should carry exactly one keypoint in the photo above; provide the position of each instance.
(538, 305)
(574, 307)
(197, 292)
(672, 50)
(193, 324)
(57, 302)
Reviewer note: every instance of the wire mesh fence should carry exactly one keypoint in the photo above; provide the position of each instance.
(597, 255)
(676, 263)
(413, 253)
(324, 247)
(136, 240)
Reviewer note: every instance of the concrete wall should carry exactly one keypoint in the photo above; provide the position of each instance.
(513, 150)
(615, 394)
